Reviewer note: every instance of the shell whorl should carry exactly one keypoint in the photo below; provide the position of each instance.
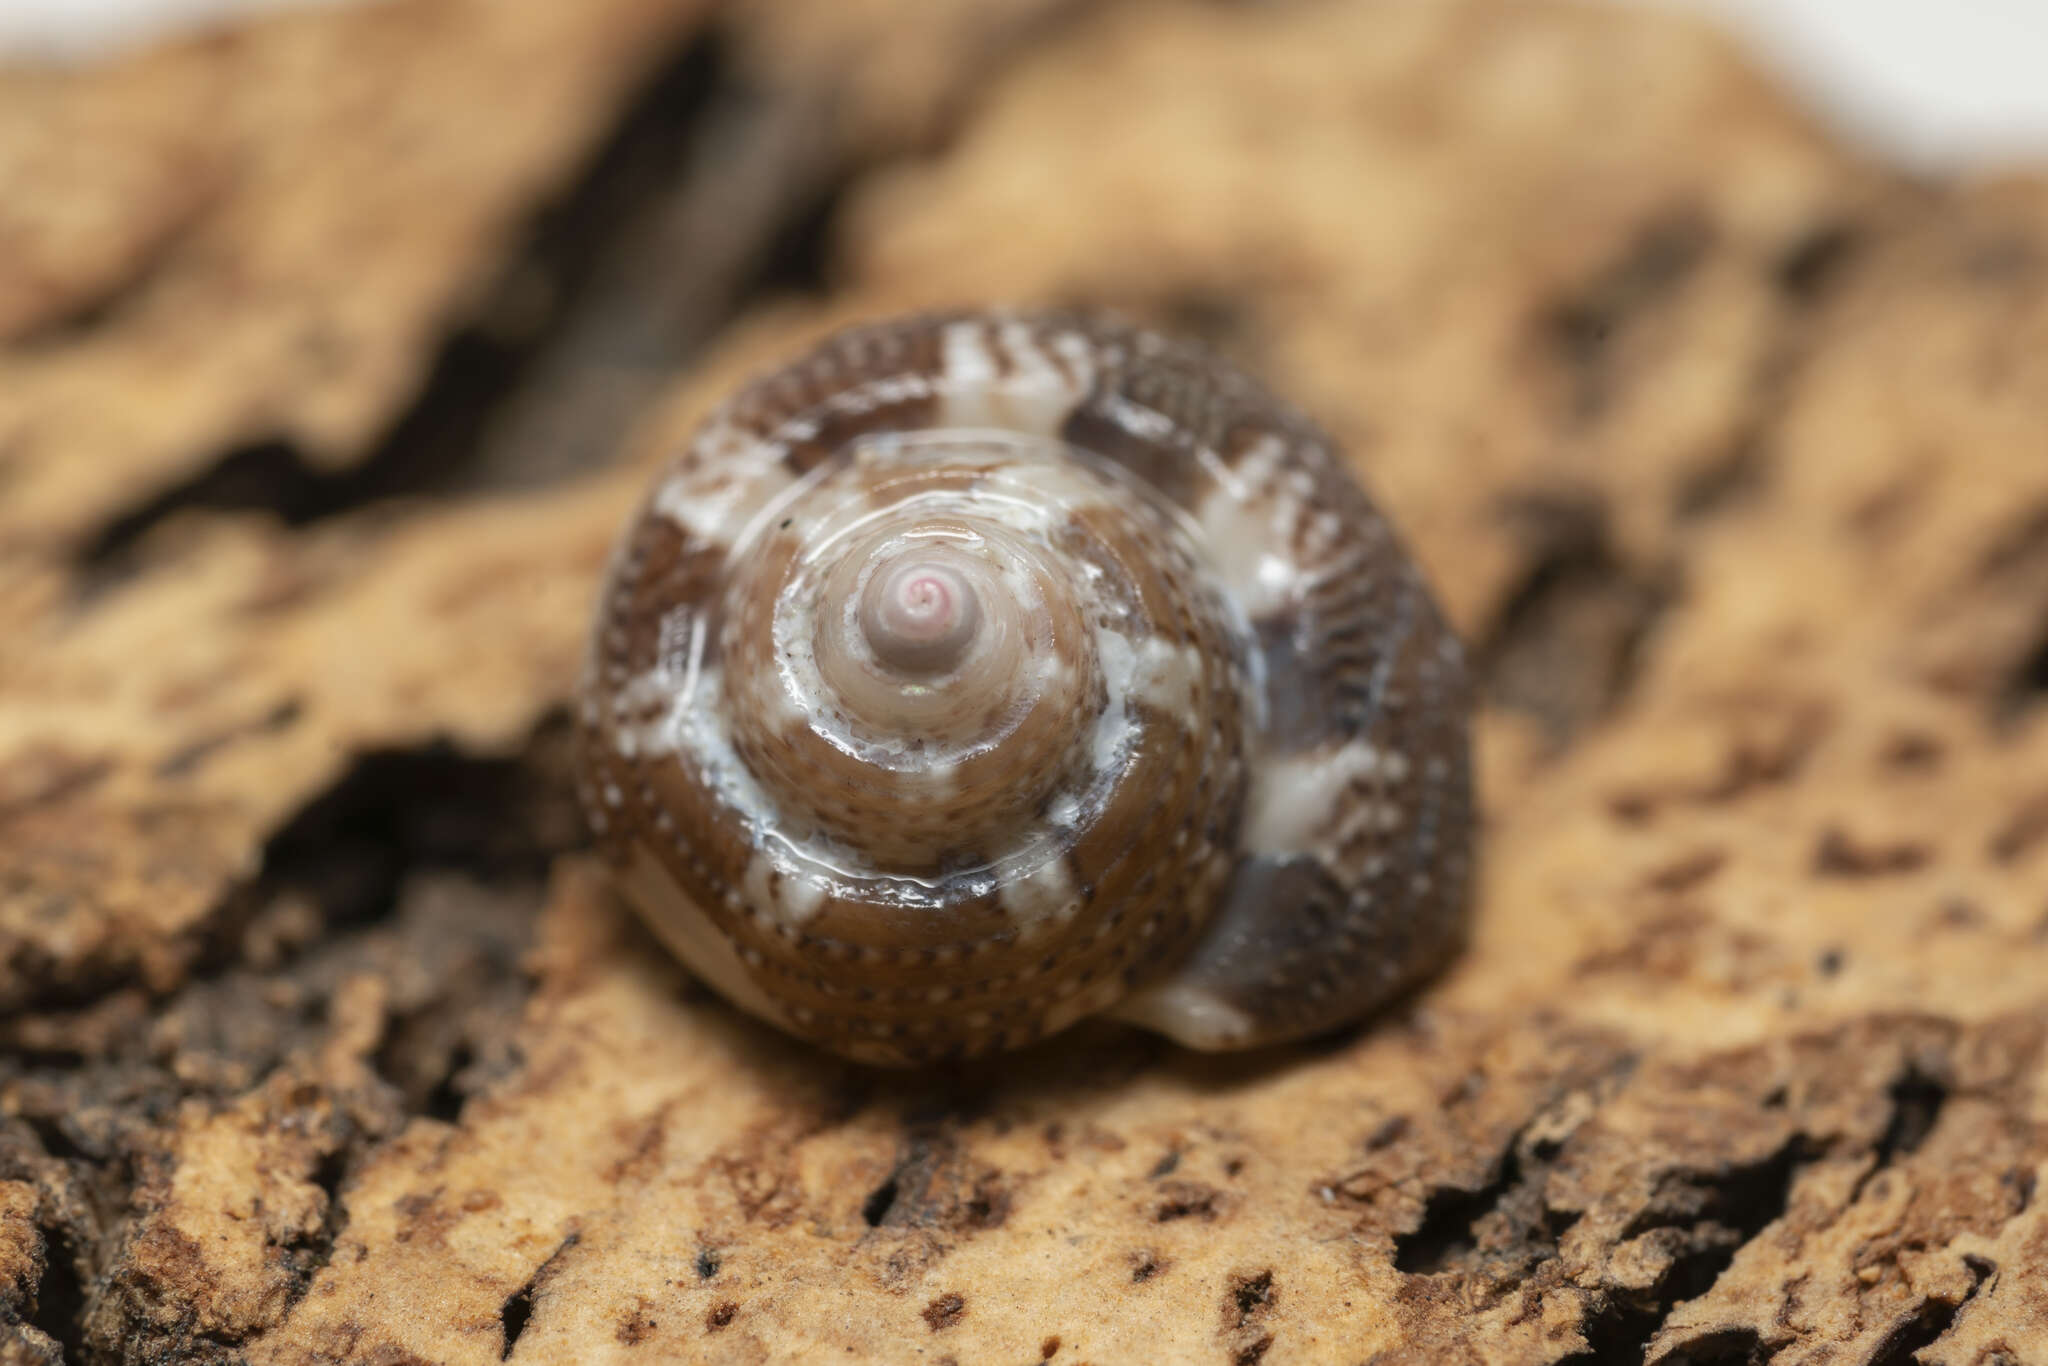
(981, 672)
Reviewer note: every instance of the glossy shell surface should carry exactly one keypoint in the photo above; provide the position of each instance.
(980, 672)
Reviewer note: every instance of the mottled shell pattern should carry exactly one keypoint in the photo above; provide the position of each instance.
(981, 672)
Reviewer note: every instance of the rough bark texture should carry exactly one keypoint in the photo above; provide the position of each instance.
(328, 373)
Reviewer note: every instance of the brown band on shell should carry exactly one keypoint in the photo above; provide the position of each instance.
(875, 378)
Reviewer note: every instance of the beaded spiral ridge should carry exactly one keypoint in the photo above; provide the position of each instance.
(981, 672)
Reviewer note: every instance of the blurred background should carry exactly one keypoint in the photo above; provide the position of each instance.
(1937, 85)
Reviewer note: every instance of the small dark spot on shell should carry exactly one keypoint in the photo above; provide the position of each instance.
(720, 1315)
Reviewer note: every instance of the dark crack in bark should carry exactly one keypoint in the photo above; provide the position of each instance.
(708, 193)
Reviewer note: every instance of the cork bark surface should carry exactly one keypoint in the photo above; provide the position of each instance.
(335, 347)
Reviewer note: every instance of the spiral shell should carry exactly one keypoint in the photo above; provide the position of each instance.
(981, 672)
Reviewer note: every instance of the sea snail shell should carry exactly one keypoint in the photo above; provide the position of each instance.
(984, 671)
